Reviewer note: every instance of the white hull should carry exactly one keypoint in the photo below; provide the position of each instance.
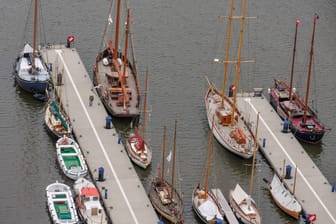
(90, 208)
(243, 206)
(222, 133)
(61, 206)
(283, 198)
(70, 158)
(141, 158)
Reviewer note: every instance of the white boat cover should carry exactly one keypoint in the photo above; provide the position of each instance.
(283, 196)
(27, 49)
(209, 210)
(239, 195)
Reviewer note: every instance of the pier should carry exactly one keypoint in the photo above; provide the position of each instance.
(312, 189)
(123, 195)
(230, 217)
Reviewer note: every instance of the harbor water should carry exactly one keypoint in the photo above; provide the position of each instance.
(177, 42)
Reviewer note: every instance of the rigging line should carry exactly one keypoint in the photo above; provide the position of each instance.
(27, 23)
(105, 29)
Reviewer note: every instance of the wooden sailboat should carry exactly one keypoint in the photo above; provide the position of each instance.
(31, 73)
(283, 198)
(303, 120)
(61, 205)
(56, 120)
(165, 198)
(242, 203)
(204, 202)
(115, 74)
(139, 151)
(230, 127)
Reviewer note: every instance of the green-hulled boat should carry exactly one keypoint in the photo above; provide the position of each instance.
(70, 158)
(61, 205)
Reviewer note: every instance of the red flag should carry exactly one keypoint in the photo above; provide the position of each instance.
(71, 39)
(311, 217)
(298, 22)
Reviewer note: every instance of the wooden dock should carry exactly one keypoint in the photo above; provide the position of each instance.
(312, 189)
(230, 217)
(123, 194)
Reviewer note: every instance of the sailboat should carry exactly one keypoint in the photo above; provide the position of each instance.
(115, 74)
(303, 120)
(139, 151)
(30, 72)
(164, 196)
(242, 204)
(230, 127)
(283, 198)
(204, 202)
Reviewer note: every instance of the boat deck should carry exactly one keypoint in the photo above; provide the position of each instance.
(123, 194)
(312, 189)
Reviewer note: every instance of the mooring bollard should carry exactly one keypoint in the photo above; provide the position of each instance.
(105, 195)
(288, 172)
(264, 143)
(101, 174)
(108, 122)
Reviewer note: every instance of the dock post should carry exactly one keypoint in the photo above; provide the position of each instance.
(288, 172)
(264, 142)
(333, 188)
(101, 174)
(105, 194)
(108, 120)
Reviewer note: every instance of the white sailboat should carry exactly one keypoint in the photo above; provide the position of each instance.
(230, 127)
(242, 204)
(204, 202)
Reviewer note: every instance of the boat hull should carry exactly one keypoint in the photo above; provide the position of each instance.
(141, 158)
(109, 93)
(171, 211)
(56, 122)
(222, 133)
(284, 199)
(90, 210)
(306, 136)
(70, 158)
(61, 205)
(211, 201)
(32, 82)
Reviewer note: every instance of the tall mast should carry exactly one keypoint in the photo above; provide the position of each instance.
(309, 70)
(117, 30)
(209, 159)
(145, 106)
(35, 32)
(123, 75)
(298, 22)
(227, 53)
(254, 155)
(238, 61)
(173, 164)
(163, 153)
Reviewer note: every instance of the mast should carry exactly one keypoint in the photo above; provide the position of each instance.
(309, 70)
(173, 164)
(123, 79)
(209, 159)
(163, 153)
(298, 22)
(254, 155)
(35, 33)
(145, 106)
(227, 53)
(238, 61)
(117, 30)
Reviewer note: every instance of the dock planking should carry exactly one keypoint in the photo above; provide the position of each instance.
(312, 189)
(123, 194)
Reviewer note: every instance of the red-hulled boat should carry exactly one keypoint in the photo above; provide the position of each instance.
(303, 120)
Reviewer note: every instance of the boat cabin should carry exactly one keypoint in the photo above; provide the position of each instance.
(89, 197)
